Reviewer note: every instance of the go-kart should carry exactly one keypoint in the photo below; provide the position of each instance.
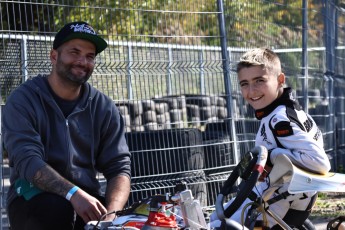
(248, 172)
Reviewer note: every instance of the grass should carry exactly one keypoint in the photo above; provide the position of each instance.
(329, 205)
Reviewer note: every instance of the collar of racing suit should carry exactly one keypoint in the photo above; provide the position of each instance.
(286, 99)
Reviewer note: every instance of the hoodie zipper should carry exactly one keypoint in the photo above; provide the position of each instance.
(68, 142)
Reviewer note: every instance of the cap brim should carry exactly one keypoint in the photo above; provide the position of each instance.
(99, 42)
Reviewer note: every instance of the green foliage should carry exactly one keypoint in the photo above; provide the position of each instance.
(322, 196)
(248, 23)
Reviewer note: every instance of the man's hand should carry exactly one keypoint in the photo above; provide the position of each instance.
(265, 173)
(87, 207)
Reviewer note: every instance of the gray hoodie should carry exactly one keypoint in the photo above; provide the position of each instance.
(90, 139)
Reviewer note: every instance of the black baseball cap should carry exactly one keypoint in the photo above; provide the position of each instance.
(81, 30)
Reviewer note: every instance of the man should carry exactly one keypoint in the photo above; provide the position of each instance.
(59, 132)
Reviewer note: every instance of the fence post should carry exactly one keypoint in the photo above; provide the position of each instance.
(201, 73)
(24, 57)
(329, 31)
(329, 25)
(305, 54)
(170, 56)
(331, 102)
(1, 162)
(129, 76)
(227, 82)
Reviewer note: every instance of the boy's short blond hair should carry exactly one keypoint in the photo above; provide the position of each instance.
(260, 57)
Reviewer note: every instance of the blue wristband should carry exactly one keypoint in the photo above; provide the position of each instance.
(71, 192)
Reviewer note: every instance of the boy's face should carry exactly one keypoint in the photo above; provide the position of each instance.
(259, 87)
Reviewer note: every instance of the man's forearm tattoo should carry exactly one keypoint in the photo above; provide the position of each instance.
(49, 180)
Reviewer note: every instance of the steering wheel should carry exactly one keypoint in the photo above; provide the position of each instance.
(249, 170)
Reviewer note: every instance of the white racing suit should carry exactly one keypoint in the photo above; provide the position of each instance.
(286, 129)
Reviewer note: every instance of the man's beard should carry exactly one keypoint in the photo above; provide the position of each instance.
(65, 72)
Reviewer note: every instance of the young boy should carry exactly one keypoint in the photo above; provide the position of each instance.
(284, 129)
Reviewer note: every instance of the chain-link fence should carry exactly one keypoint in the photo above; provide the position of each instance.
(169, 67)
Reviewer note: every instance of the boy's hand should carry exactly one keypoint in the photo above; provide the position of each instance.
(265, 173)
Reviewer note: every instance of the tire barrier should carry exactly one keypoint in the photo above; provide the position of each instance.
(186, 111)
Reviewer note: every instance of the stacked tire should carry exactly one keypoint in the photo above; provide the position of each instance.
(136, 110)
(149, 115)
(219, 156)
(163, 115)
(145, 115)
(123, 108)
(177, 110)
(204, 109)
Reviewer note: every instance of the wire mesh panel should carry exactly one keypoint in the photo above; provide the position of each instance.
(11, 66)
(164, 68)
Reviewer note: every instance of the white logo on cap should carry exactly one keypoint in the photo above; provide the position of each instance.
(83, 28)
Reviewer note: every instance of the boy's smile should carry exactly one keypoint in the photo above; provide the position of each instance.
(259, 87)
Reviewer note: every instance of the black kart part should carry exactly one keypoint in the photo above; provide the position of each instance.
(335, 223)
(249, 176)
(228, 224)
(307, 225)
